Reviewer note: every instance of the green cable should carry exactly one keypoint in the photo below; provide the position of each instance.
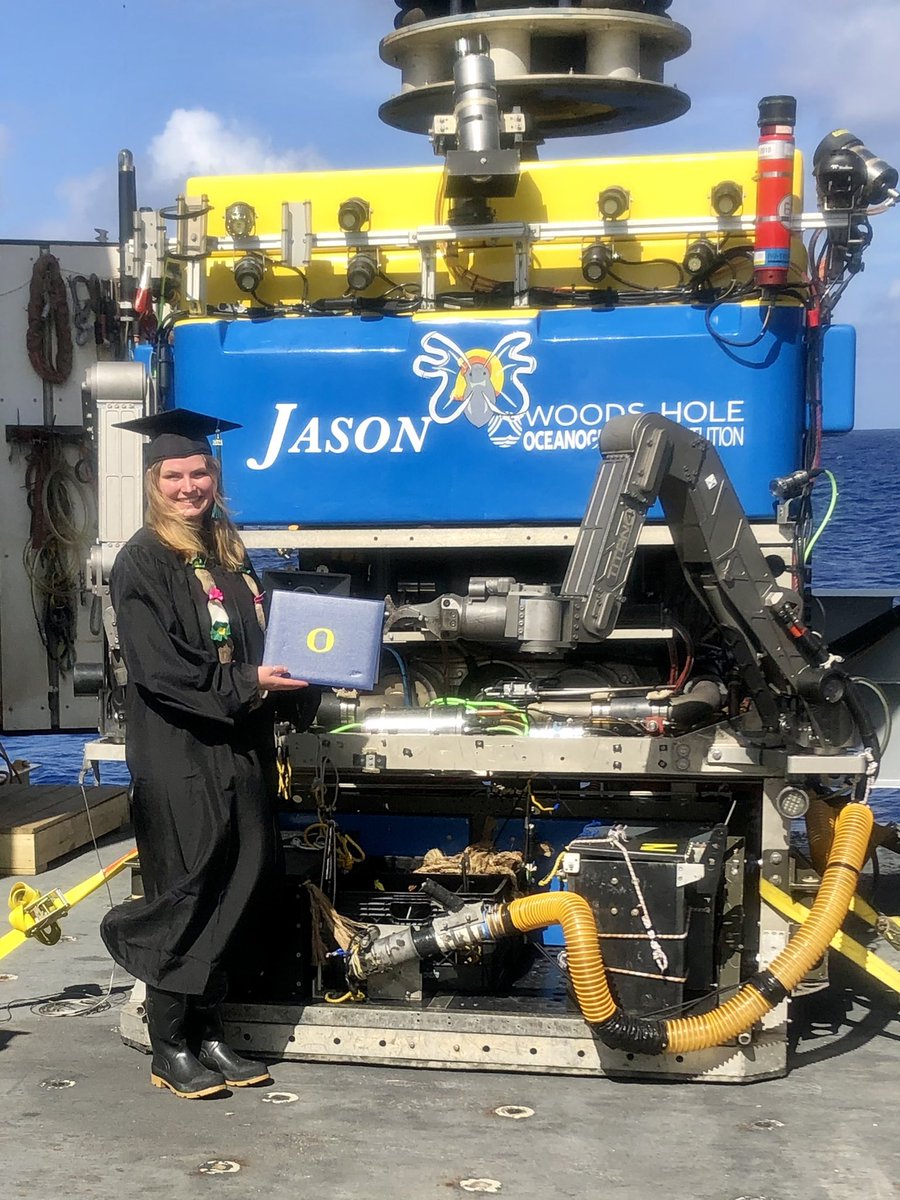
(346, 728)
(475, 705)
(502, 704)
(831, 507)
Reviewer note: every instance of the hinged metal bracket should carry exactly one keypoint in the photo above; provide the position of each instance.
(296, 234)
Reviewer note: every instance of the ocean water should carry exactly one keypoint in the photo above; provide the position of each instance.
(860, 548)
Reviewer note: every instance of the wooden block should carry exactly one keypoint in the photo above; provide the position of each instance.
(40, 824)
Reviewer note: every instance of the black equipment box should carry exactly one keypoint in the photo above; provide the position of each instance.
(668, 876)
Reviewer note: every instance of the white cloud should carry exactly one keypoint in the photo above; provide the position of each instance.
(199, 142)
(193, 142)
(852, 59)
(841, 60)
(86, 202)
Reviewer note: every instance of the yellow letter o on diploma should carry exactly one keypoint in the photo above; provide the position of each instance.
(320, 641)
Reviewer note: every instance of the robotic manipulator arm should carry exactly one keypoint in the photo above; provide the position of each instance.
(645, 458)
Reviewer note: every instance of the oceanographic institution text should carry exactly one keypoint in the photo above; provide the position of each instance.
(543, 427)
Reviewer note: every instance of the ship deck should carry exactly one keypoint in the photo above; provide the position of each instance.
(80, 1118)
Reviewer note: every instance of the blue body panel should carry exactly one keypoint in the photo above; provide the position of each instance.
(839, 378)
(143, 353)
(387, 420)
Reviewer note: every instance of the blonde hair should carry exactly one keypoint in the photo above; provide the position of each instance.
(216, 536)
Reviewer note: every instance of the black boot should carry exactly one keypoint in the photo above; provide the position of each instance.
(174, 1066)
(215, 1053)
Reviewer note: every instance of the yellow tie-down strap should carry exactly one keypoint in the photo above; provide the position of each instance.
(842, 942)
(24, 901)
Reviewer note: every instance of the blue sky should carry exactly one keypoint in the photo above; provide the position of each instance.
(202, 86)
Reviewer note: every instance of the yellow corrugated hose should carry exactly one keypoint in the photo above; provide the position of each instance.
(841, 942)
(820, 820)
(846, 856)
(586, 968)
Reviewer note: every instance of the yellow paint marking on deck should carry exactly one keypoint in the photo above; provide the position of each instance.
(842, 942)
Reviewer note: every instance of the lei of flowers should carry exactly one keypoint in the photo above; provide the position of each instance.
(220, 625)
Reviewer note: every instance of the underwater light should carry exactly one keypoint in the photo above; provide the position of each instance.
(353, 214)
(595, 262)
(240, 219)
(699, 257)
(613, 203)
(249, 271)
(361, 272)
(726, 198)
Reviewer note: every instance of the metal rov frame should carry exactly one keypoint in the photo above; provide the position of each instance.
(762, 753)
(647, 457)
(776, 711)
(443, 1034)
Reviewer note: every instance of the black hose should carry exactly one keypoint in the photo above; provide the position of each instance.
(860, 714)
(640, 1035)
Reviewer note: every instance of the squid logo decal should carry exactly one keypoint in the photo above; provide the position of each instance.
(485, 385)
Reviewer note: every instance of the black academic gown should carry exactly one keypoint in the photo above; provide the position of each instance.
(200, 751)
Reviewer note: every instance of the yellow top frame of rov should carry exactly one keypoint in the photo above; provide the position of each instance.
(663, 206)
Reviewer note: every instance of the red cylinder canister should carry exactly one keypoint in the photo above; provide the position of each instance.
(143, 297)
(774, 190)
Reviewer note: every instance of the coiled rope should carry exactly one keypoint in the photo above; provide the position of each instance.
(63, 522)
(48, 321)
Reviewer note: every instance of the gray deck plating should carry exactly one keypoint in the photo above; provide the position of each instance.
(823, 1132)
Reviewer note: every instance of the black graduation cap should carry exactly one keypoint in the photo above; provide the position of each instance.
(178, 433)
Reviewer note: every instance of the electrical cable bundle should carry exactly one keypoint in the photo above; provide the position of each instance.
(492, 716)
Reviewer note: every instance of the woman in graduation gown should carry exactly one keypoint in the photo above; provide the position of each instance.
(200, 751)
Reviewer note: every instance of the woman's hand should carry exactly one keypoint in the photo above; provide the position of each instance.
(278, 679)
